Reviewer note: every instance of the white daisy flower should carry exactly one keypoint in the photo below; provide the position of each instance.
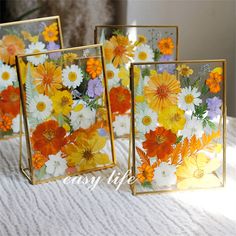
(146, 120)
(82, 117)
(40, 107)
(7, 76)
(188, 98)
(56, 165)
(143, 53)
(36, 48)
(121, 125)
(193, 126)
(72, 76)
(112, 76)
(165, 175)
(16, 124)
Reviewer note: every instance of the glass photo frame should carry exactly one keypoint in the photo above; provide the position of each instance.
(178, 126)
(124, 44)
(21, 37)
(66, 114)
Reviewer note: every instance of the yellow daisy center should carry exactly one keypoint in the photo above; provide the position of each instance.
(142, 56)
(87, 154)
(110, 74)
(41, 106)
(189, 98)
(176, 117)
(5, 75)
(198, 173)
(72, 76)
(160, 139)
(64, 101)
(146, 120)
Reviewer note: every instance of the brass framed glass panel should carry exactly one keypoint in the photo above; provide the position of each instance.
(178, 125)
(66, 113)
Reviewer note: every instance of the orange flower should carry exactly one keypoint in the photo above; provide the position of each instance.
(38, 160)
(48, 137)
(166, 46)
(47, 78)
(94, 67)
(10, 45)
(5, 123)
(118, 50)
(120, 100)
(213, 82)
(10, 101)
(50, 33)
(161, 91)
(159, 143)
(146, 173)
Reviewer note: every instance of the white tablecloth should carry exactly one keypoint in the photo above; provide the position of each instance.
(58, 209)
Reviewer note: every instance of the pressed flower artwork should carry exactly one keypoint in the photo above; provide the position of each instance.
(126, 44)
(178, 125)
(18, 38)
(66, 117)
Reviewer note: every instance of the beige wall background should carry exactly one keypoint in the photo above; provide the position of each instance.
(207, 30)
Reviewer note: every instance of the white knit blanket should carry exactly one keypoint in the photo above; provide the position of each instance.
(58, 209)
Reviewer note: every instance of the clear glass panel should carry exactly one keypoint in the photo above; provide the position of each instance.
(126, 44)
(178, 119)
(67, 118)
(21, 38)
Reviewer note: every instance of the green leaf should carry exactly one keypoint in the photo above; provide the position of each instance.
(147, 184)
(212, 125)
(117, 32)
(157, 55)
(145, 72)
(179, 139)
(200, 111)
(204, 90)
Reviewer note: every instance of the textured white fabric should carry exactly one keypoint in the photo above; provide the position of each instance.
(58, 209)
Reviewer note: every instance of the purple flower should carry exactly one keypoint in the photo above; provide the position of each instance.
(214, 105)
(166, 67)
(53, 46)
(95, 88)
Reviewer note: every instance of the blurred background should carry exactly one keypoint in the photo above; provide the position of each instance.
(207, 28)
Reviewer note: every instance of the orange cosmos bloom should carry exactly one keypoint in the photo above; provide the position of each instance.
(118, 50)
(10, 45)
(50, 33)
(10, 101)
(166, 46)
(162, 91)
(47, 78)
(146, 173)
(94, 67)
(120, 100)
(38, 160)
(213, 82)
(5, 123)
(48, 137)
(159, 143)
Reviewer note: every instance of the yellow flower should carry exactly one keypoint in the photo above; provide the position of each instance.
(125, 78)
(218, 70)
(47, 78)
(85, 152)
(66, 127)
(141, 40)
(118, 50)
(23, 69)
(161, 91)
(198, 172)
(139, 98)
(62, 102)
(50, 33)
(184, 70)
(70, 57)
(172, 118)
